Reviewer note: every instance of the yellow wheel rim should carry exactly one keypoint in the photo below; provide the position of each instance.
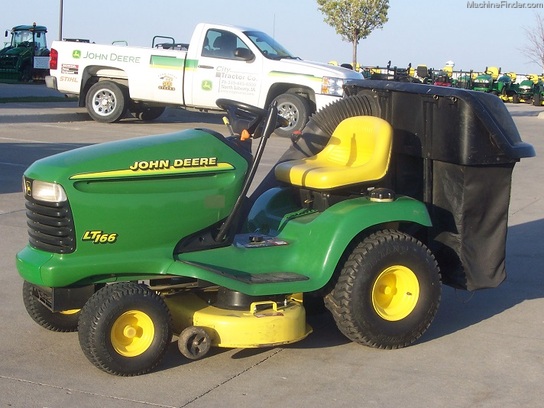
(395, 293)
(132, 333)
(70, 311)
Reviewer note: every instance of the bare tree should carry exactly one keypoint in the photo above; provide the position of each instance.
(354, 20)
(534, 50)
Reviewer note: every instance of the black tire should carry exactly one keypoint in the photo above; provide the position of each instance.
(55, 321)
(107, 101)
(364, 301)
(26, 73)
(150, 113)
(295, 109)
(194, 343)
(515, 98)
(537, 99)
(124, 329)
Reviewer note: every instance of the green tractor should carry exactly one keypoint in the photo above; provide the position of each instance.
(538, 90)
(507, 88)
(487, 81)
(372, 208)
(524, 91)
(26, 56)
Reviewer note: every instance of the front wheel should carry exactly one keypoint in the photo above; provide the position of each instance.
(537, 99)
(295, 109)
(107, 101)
(388, 291)
(65, 321)
(124, 329)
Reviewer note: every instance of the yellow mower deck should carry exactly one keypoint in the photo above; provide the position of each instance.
(263, 324)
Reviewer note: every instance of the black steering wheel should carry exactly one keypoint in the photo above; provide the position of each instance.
(244, 116)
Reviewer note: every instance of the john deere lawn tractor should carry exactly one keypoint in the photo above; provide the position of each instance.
(384, 196)
(487, 81)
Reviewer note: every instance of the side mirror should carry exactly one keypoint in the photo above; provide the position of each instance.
(244, 54)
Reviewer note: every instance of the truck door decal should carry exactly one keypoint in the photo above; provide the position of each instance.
(166, 62)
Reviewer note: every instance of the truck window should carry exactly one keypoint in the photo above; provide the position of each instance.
(221, 44)
(268, 46)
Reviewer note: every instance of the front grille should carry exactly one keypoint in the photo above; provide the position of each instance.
(8, 62)
(50, 226)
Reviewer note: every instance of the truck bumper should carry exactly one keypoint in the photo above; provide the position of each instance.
(51, 82)
(322, 100)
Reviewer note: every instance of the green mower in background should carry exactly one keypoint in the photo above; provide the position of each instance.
(487, 81)
(373, 207)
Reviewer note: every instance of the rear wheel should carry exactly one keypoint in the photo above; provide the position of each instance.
(124, 329)
(150, 113)
(388, 291)
(295, 109)
(107, 101)
(65, 321)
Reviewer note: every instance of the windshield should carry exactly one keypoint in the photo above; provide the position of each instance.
(268, 46)
(25, 38)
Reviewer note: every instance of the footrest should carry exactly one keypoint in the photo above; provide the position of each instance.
(245, 277)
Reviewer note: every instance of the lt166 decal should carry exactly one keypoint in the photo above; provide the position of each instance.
(100, 237)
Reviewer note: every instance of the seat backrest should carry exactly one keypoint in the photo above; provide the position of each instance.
(358, 151)
(225, 45)
(361, 141)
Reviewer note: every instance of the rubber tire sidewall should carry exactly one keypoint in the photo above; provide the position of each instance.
(150, 113)
(537, 99)
(103, 309)
(302, 108)
(120, 93)
(49, 320)
(351, 300)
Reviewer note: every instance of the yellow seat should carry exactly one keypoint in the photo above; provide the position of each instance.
(358, 151)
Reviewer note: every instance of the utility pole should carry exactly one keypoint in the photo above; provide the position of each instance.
(60, 20)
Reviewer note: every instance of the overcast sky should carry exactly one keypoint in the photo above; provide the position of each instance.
(431, 32)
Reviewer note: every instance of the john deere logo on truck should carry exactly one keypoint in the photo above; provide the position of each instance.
(207, 85)
(76, 54)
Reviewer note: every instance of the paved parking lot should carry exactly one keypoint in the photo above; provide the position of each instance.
(484, 349)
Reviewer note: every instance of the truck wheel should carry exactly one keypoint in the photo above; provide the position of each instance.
(295, 109)
(124, 329)
(66, 321)
(106, 101)
(150, 113)
(388, 291)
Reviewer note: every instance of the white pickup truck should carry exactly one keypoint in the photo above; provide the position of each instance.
(220, 62)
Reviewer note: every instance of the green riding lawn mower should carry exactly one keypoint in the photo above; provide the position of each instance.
(385, 195)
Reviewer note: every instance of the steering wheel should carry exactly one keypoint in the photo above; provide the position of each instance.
(242, 115)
